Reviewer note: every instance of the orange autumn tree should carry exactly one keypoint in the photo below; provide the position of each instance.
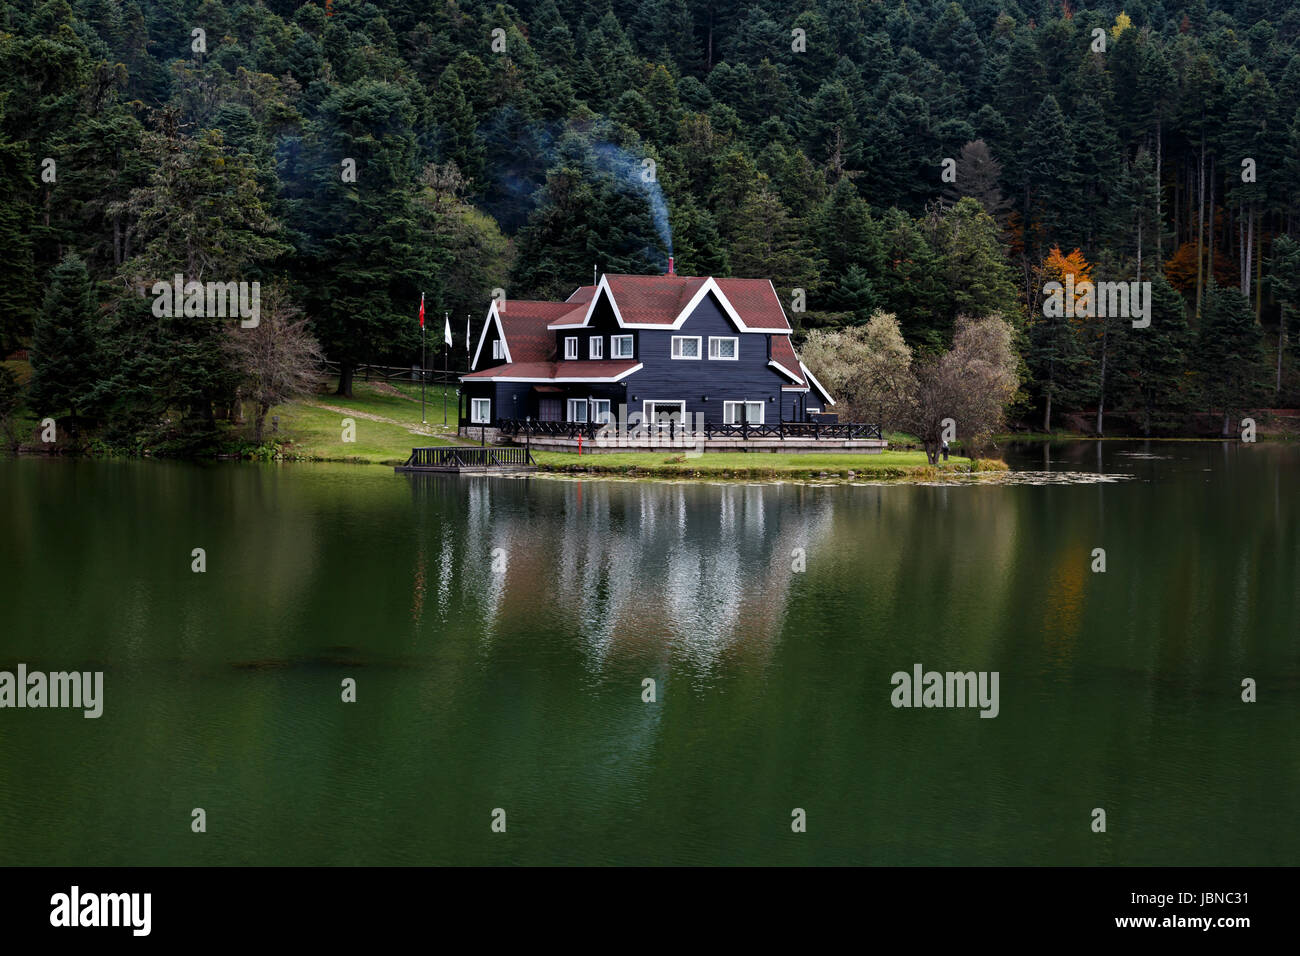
(1057, 356)
(1181, 269)
(1057, 267)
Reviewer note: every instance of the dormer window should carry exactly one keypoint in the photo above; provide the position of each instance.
(570, 347)
(497, 351)
(596, 347)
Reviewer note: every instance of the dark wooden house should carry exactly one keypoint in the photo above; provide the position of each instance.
(663, 347)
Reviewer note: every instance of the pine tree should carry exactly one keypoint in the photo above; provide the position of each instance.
(63, 341)
(1156, 380)
(771, 244)
(1228, 359)
(979, 175)
(457, 128)
(362, 257)
(1056, 354)
(1050, 177)
(1284, 273)
(18, 297)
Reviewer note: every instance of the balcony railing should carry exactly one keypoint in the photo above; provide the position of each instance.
(464, 457)
(837, 431)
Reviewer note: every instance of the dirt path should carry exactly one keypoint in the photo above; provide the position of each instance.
(372, 417)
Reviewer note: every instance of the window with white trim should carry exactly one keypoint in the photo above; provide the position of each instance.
(734, 413)
(498, 352)
(620, 346)
(480, 411)
(686, 346)
(724, 347)
(600, 411)
(595, 347)
(578, 410)
(570, 347)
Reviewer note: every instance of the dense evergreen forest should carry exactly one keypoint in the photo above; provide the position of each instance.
(925, 158)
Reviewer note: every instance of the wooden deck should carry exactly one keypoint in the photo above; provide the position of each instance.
(860, 438)
(459, 459)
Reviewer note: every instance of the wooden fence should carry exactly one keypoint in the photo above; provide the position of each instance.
(830, 431)
(455, 456)
(407, 373)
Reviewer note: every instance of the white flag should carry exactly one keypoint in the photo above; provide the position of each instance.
(467, 335)
(446, 331)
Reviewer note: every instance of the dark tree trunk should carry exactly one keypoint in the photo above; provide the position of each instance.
(1200, 225)
(1101, 396)
(1159, 184)
(1210, 232)
(345, 380)
(260, 421)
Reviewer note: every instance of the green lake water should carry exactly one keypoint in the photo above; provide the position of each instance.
(520, 687)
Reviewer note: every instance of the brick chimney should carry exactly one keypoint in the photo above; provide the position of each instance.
(670, 266)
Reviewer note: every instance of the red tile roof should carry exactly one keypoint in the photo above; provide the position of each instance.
(756, 301)
(525, 322)
(783, 355)
(652, 300)
(659, 300)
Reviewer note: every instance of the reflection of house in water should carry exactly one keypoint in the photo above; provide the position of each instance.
(684, 572)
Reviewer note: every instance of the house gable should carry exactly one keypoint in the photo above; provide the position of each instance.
(492, 332)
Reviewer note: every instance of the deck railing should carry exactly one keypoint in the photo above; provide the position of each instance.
(454, 456)
(837, 431)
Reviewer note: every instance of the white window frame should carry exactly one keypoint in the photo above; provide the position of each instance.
(676, 351)
(575, 404)
(480, 418)
(570, 347)
(729, 412)
(650, 422)
(599, 416)
(617, 340)
(595, 347)
(735, 348)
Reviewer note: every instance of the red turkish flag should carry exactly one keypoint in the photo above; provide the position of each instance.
(421, 310)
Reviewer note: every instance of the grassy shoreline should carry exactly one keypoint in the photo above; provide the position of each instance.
(887, 465)
(385, 423)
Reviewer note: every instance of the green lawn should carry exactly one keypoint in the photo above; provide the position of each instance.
(666, 464)
(387, 424)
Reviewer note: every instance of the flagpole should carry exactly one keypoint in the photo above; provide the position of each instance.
(446, 324)
(423, 419)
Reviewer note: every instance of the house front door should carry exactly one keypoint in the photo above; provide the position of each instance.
(662, 413)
